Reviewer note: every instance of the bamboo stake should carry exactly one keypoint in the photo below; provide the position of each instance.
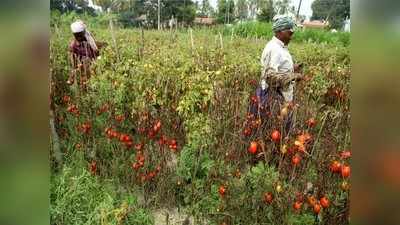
(220, 39)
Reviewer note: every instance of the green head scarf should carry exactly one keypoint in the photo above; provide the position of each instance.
(283, 23)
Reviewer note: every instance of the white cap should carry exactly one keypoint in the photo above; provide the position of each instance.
(78, 27)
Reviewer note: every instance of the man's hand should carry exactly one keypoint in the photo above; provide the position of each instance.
(298, 68)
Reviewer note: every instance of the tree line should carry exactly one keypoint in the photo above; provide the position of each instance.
(133, 12)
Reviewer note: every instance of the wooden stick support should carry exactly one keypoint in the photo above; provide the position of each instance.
(220, 40)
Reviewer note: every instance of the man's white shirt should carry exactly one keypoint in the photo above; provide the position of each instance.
(276, 56)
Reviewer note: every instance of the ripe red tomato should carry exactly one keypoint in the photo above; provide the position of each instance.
(296, 160)
(172, 142)
(253, 82)
(119, 118)
(324, 201)
(151, 134)
(247, 132)
(253, 147)
(66, 99)
(311, 122)
(311, 200)
(297, 205)
(135, 166)
(222, 190)
(93, 167)
(276, 136)
(268, 197)
(335, 167)
(345, 171)
(254, 99)
(157, 126)
(317, 208)
(139, 146)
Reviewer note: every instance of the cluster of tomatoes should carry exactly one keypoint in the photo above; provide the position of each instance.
(84, 127)
(251, 124)
(123, 138)
(140, 160)
(313, 203)
(341, 168)
(300, 145)
(72, 108)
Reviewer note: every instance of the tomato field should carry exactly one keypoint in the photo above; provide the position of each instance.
(165, 125)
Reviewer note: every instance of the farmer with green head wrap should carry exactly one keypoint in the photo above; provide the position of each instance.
(279, 73)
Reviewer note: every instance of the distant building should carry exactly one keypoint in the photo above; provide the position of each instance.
(204, 21)
(315, 24)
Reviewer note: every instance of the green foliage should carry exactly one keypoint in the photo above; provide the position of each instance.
(267, 12)
(200, 94)
(206, 8)
(225, 12)
(302, 219)
(77, 197)
(264, 30)
(65, 6)
(335, 10)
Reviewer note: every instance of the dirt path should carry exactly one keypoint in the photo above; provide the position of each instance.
(171, 217)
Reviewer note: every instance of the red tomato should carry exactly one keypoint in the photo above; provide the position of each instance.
(276, 136)
(311, 200)
(254, 99)
(335, 167)
(296, 160)
(324, 201)
(93, 167)
(297, 205)
(317, 208)
(139, 146)
(66, 98)
(247, 132)
(345, 171)
(311, 122)
(119, 118)
(135, 166)
(268, 197)
(253, 147)
(222, 190)
(157, 126)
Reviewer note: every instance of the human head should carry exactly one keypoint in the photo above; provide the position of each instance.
(283, 27)
(78, 28)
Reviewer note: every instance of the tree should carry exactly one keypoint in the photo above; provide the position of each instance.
(64, 6)
(335, 11)
(206, 9)
(267, 11)
(282, 7)
(242, 9)
(225, 11)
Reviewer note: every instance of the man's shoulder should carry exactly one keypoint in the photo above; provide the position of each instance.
(73, 44)
(271, 46)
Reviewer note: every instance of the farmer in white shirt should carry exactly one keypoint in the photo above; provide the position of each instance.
(279, 73)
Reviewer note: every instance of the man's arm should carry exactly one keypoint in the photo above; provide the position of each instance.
(279, 79)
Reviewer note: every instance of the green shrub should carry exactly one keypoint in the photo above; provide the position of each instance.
(82, 199)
